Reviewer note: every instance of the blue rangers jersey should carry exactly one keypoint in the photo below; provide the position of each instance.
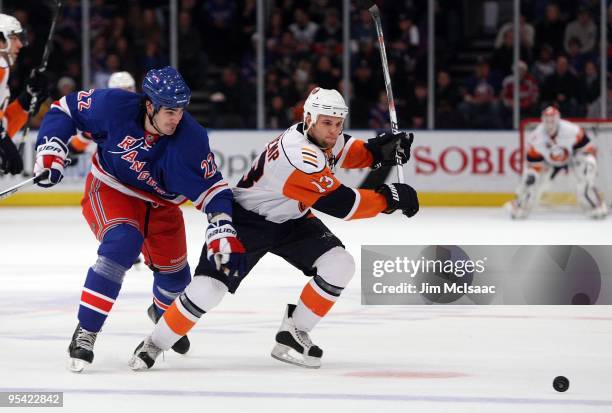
(162, 169)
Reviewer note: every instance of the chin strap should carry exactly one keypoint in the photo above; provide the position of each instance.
(152, 121)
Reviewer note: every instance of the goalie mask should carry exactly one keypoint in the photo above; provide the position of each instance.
(9, 29)
(550, 119)
(324, 102)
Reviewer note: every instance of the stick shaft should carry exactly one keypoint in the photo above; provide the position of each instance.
(12, 190)
(385, 66)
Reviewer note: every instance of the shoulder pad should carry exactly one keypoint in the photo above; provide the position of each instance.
(302, 154)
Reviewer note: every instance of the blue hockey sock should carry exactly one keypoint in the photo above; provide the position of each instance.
(168, 286)
(98, 297)
(116, 254)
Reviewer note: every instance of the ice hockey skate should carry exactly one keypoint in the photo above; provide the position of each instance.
(182, 345)
(144, 355)
(81, 349)
(294, 346)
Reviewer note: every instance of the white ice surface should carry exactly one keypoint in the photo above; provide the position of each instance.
(404, 359)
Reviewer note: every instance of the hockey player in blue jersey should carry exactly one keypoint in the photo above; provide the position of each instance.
(151, 157)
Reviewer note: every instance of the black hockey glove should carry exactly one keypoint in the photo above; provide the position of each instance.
(10, 159)
(384, 145)
(37, 85)
(400, 196)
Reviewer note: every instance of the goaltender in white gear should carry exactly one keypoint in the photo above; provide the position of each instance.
(554, 145)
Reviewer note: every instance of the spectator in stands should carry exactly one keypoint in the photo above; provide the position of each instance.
(561, 89)
(590, 83)
(575, 57)
(153, 57)
(544, 66)
(503, 56)
(528, 94)
(326, 75)
(365, 91)
(277, 113)
(583, 29)
(594, 109)
(362, 30)
(482, 111)
(232, 102)
(303, 29)
(193, 61)
(274, 34)
(220, 23)
(527, 33)
(100, 16)
(379, 113)
(101, 76)
(446, 91)
(552, 29)
(328, 39)
(416, 107)
(483, 74)
(407, 48)
(127, 56)
(70, 18)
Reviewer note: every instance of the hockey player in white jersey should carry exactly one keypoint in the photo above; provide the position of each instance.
(272, 213)
(557, 144)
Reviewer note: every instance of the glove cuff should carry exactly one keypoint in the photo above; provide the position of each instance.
(391, 195)
(215, 217)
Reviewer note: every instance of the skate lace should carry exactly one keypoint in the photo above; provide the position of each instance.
(151, 349)
(86, 339)
(303, 338)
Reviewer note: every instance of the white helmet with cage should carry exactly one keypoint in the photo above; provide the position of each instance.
(324, 102)
(122, 80)
(551, 118)
(9, 27)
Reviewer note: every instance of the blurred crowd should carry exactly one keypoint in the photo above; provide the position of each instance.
(304, 48)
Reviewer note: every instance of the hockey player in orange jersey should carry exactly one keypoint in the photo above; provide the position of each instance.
(272, 213)
(554, 145)
(14, 115)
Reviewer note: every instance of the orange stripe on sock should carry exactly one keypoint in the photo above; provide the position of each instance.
(317, 304)
(177, 321)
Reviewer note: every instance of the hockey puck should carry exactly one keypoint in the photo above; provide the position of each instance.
(561, 383)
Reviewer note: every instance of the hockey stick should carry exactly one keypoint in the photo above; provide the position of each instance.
(34, 180)
(375, 13)
(41, 68)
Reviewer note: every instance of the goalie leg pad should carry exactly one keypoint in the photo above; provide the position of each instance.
(589, 197)
(335, 268)
(527, 194)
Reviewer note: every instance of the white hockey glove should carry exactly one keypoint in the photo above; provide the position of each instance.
(223, 248)
(51, 156)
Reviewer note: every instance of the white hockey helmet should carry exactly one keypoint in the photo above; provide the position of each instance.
(10, 26)
(324, 102)
(550, 119)
(122, 80)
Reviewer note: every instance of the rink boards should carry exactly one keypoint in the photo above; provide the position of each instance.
(448, 168)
